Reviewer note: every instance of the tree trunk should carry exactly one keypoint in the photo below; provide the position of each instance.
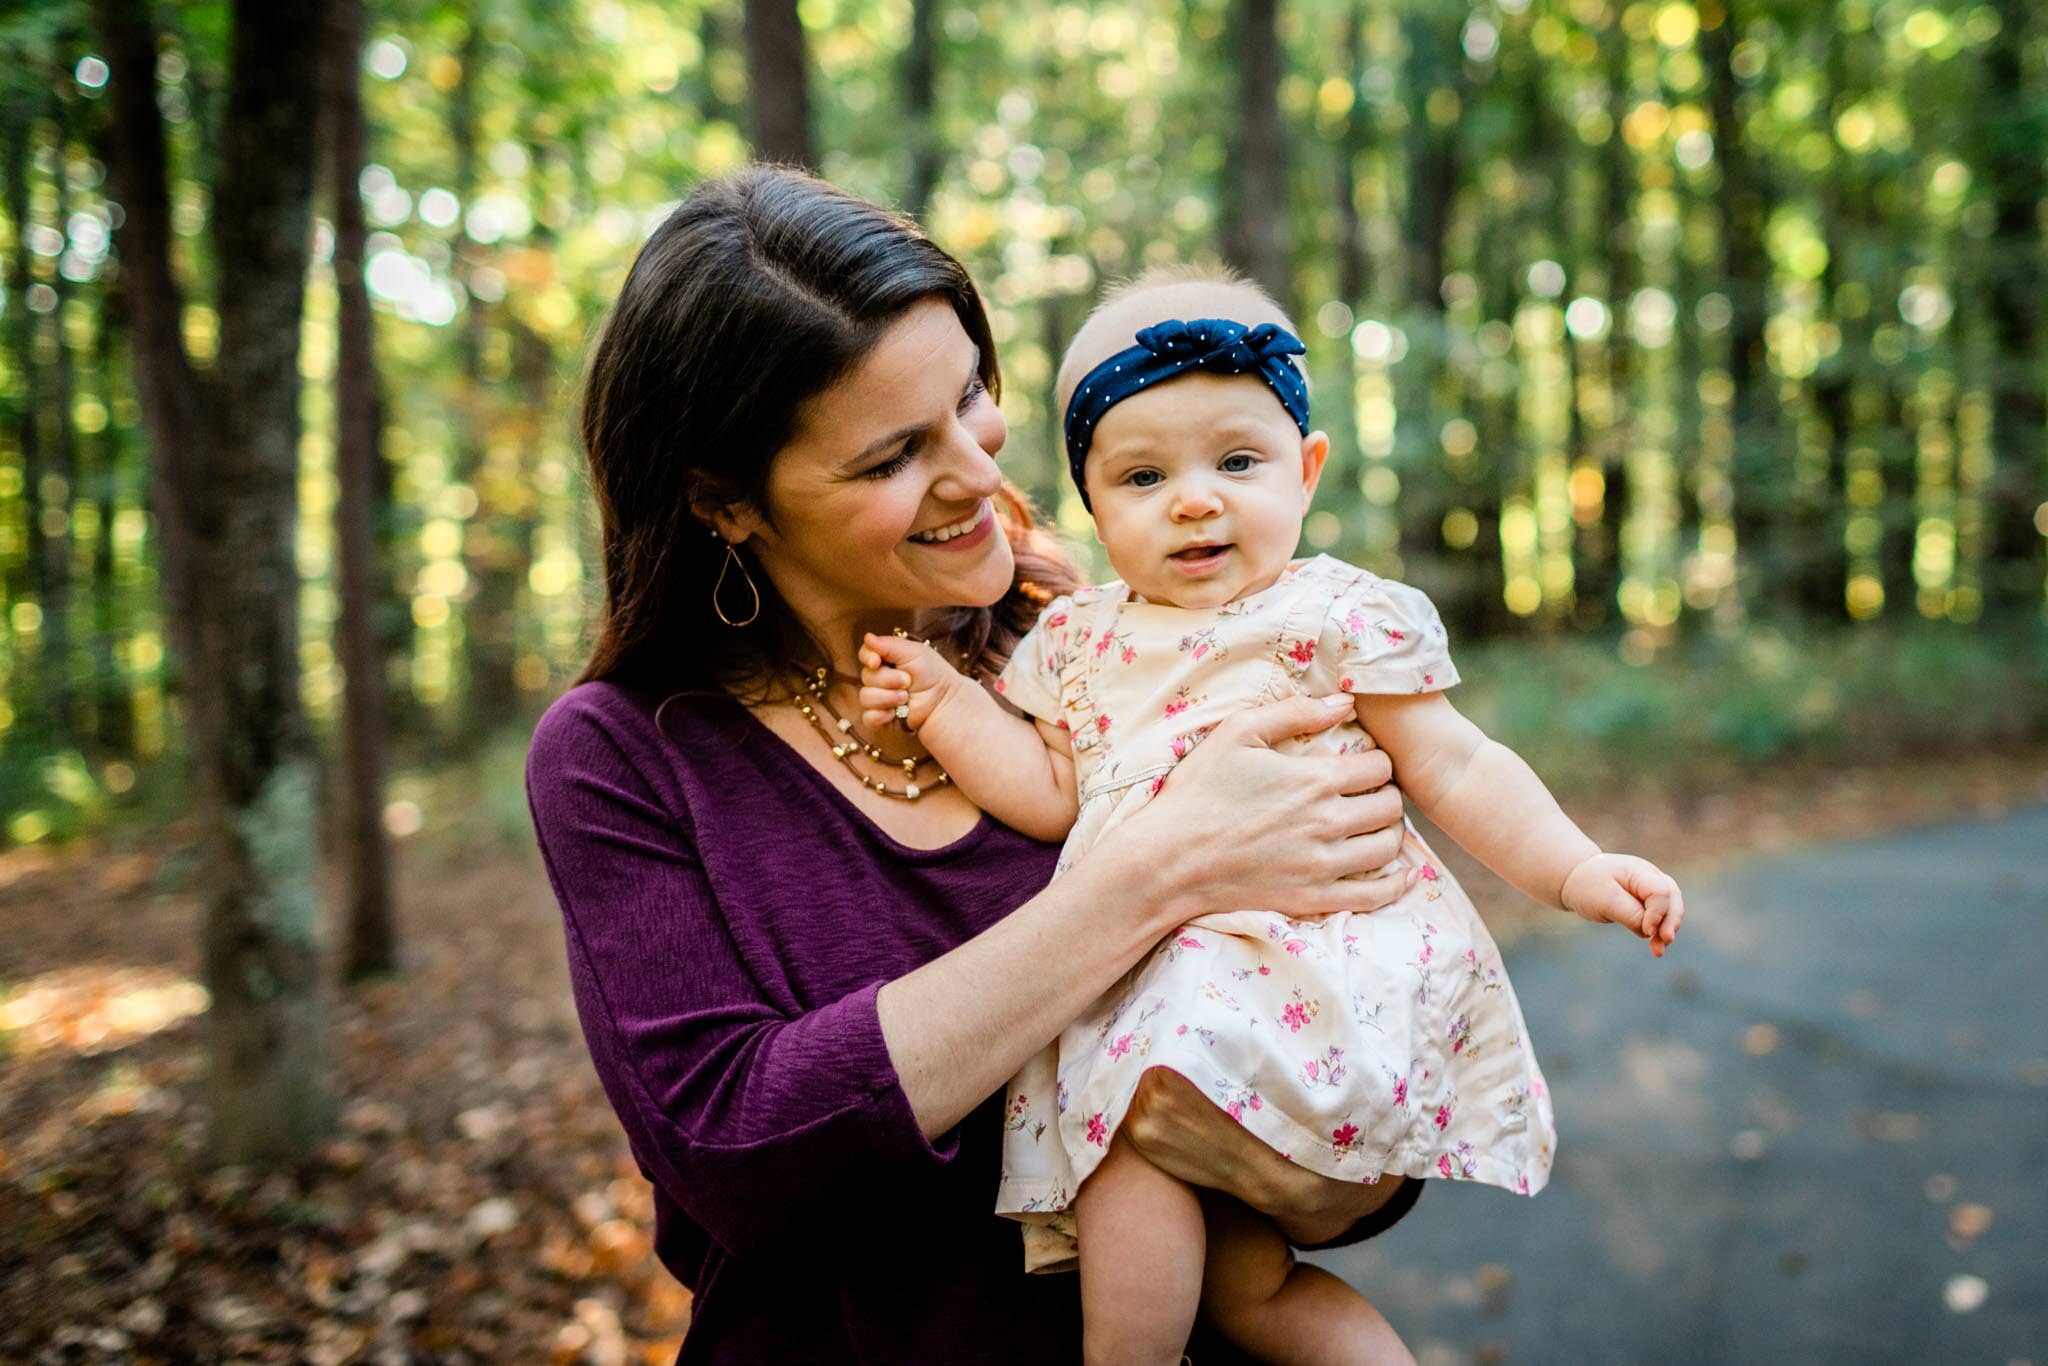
(1255, 189)
(28, 416)
(1432, 170)
(168, 392)
(253, 772)
(2014, 130)
(369, 945)
(1351, 260)
(778, 92)
(920, 99)
(489, 621)
(62, 475)
(113, 708)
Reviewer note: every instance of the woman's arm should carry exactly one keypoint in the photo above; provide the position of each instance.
(1246, 824)
(745, 1114)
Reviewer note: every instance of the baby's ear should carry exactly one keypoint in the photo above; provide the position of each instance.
(1315, 452)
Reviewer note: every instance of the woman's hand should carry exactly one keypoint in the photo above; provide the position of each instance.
(1241, 824)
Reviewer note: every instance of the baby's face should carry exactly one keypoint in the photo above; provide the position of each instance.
(1199, 486)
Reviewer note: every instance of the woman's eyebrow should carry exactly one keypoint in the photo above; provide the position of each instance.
(882, 443)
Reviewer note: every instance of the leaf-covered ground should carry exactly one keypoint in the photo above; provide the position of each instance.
(476, 1202)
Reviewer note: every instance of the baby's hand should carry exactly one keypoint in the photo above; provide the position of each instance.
(1628, 891)
(903, 680)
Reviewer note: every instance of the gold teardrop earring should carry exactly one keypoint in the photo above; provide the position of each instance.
(732, 557)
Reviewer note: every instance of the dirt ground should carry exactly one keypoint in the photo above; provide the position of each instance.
(476, 1202)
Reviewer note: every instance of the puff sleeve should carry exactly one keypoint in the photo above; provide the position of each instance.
(1380, 636)
(1031, 680)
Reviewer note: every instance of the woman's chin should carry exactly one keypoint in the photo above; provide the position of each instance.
(984, 583)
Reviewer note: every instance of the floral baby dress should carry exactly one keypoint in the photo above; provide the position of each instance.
(1354, 1045)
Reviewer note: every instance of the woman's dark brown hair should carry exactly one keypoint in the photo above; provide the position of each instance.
(763, 288)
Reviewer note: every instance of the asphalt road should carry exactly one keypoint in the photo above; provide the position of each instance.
(1816, 1132)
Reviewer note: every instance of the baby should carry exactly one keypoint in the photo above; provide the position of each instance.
(1361, 1046)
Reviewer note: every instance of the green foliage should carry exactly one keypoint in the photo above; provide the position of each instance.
(1586, 718)
(1672, 319)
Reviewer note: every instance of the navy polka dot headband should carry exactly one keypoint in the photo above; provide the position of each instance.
(1172, 348)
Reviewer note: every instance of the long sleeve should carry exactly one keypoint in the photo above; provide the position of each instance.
(753, 1117)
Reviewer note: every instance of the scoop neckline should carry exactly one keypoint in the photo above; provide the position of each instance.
(912, 853)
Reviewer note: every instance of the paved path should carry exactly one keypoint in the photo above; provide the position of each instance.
(1781, 1144)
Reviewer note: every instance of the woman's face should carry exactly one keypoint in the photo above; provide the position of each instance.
(881, 503)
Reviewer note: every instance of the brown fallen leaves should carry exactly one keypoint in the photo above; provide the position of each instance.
(476, 1202)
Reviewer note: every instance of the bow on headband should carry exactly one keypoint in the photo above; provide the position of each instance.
(1172, 348)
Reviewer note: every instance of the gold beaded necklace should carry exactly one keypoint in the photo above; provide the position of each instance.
(845, 744)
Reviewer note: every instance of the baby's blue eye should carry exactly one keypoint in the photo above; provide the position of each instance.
(1143, 479)
(1239, 462)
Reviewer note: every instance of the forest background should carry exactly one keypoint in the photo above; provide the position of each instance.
(1692, 356)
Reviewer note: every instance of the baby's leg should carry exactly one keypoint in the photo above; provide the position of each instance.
(1141, 1261)
(1281, 1310)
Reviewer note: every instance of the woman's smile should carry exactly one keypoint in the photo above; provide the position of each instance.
(964, 534)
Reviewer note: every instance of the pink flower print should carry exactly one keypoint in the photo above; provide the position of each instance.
(1179, 703)
(1180, 1029)
(1460, 1033)
(1428, 679)
(1429, 874)
(1235, 1111)
(1188, 941)
(1443, 1164)
(1443, 1116)
(1345, 685)
(1200, 643)
(1055, 621)
(1428, 952)
(1303, 652)
(1062, 724)
(1102, 646)
(1522, 1183)
(1256, 1103)
(1297, 947)
(1157, 783)
(1393, 636)
(1401, 1092)
(1102, 723)
(1098, 1132)
(1000, 686)
(1265, 971)
(1354, 621)
(1343, 1136)
(1294, 1015)
(1120, 1046)
(1327, 1070)
(1128, 655)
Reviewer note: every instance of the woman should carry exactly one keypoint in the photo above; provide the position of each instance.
(804, 964)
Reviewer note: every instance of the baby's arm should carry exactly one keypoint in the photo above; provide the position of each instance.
(1484, 796)
(1019, 770)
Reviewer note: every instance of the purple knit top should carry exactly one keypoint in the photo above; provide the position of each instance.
(730, 915)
